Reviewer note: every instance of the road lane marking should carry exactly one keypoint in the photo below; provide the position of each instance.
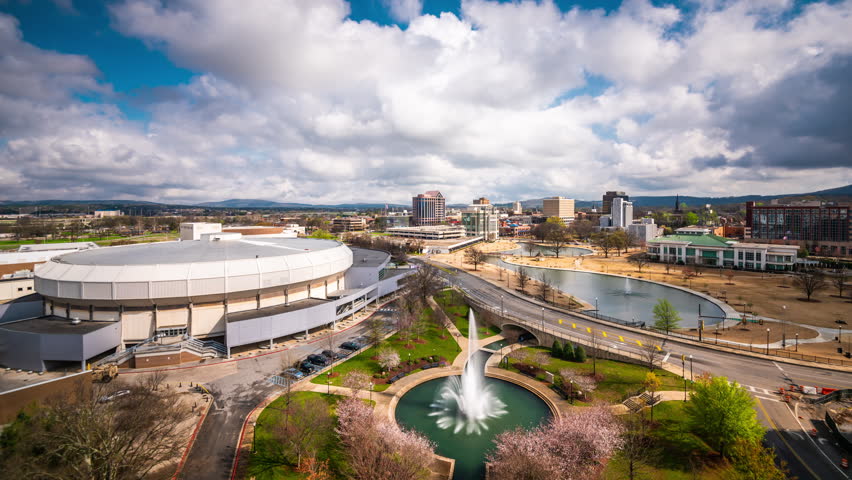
(573, 325)
(621, 339)
(638, 343)
(830, 462)
(779, 367)
(589, 329)
(666, 358)
(790, 447)
(604, 334)
(658, 348)
(769, 399)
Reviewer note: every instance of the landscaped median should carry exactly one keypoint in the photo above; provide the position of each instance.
(432, 344)
(458, 311)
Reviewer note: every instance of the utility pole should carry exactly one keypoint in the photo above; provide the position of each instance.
(683, 374)
(767, 341)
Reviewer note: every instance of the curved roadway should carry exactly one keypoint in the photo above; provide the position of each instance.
(807, 457)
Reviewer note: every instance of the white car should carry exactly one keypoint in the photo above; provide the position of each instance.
(113, 396)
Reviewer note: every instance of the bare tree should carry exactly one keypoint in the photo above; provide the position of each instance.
(604, 241)
(474, 256)
(636, 446)
(154, 380)
(729, 274)
(809, 282)
(97, 435)
(530, 246)
(558, 238)
(667, 264)
(375, 330)
(425, 282)
(305, 432)
(523, 278)
(640, 260)
(545, 285)
(650, 354)
(839, 280)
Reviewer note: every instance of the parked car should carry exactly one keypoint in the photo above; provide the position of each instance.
(331, 355)
(114, 396)
(318, 359)
(293, 373)
(308, 367)
(342, 353)
(351, 345)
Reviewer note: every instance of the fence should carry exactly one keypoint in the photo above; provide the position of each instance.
(831, 397)
(844, 443)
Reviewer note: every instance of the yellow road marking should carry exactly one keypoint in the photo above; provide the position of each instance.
(638, 343)
(604, 334)
(573, 325)
(658, 348)
(560, 321)
(790, 447)
(620, 338)
(589, 329)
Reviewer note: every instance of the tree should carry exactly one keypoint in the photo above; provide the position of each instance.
(584, 383)
(574, 446)
(603, 241)
(543, 231)
(652, 384)
(523, 278)
(474, 256)
(558, 238)
(665, 316)
(667, 264)
(568, 352)
(545, 285)
(305, 432)
(322, 234)
(729, 274)
(582, 229)
(388, 358)
(530, 246)
(579, 354)
(356, 381)
(752, 461)
(636, 446)
(425, 282)
(375, 330)
(640, 260)
(722, 413)
(556, 350)
(618, 239)
(809, 282)
(378, 448)
(691, 218)
(650, 354)
(839, 280)
(81, 436)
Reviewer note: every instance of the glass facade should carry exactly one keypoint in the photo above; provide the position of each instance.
(825, 223)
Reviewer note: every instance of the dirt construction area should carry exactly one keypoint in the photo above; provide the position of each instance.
(759, 294)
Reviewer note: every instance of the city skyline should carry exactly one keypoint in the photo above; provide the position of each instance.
(330, 102)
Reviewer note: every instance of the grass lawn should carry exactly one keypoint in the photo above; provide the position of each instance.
(619, 378)
(676, 454)
(264, 439)
(456, 308)
(434, 346)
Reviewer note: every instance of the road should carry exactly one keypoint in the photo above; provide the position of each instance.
(807, 458)
(237, 388)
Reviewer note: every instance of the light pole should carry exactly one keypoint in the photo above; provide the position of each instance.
(767, 341)
(542, 319)
(797, 342)
(690, 369)
(683, 374)
(596, 307)
(502, 311)
(328, 382)
(784, 327)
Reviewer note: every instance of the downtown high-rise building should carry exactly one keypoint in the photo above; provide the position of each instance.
(428, 208)
(606, 207)
(622, 212)
(560, 207)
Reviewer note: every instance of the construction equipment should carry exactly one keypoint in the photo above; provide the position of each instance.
(105, 373)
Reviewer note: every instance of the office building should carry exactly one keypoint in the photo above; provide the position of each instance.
(517, 208)
(822, 228)
(480, 220)
(107, 213)
(429, 232)
(606, 207)
(349, 224)
(693, 245)
(559, 207)
(644, 231)
(194, 230)
(429, 208)
(622, 212)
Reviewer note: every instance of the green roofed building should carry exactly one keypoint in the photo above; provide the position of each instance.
(696, 245)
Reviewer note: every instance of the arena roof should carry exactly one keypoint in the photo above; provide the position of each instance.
(197, 251)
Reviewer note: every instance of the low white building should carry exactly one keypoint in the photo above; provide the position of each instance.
(695, 245)
(194, 230)
(429, 232)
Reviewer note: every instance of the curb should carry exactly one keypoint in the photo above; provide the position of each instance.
(192, 440)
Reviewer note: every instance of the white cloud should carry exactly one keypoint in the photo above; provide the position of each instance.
(404, 10)
(296, 102)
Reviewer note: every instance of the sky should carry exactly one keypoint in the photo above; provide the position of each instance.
(334, 101)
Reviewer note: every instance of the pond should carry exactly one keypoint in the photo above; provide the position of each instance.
(547, 251)
(628, 299)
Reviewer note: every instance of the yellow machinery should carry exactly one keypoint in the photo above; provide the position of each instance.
(105, 373)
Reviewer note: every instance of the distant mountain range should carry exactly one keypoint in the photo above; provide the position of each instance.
(833, 194)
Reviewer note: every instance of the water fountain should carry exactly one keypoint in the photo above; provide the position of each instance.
(627, 286)
(467, 402)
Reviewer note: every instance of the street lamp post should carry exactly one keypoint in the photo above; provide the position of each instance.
(767, 341)
(691, 379)
(328, 382)
(797, 342)
(542, 319)
(502, 311)
(683, 374)
(784, 327)
(596, 307)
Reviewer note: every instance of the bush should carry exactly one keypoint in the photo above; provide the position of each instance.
(568, 352)
(579, 354)
(556, 350)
